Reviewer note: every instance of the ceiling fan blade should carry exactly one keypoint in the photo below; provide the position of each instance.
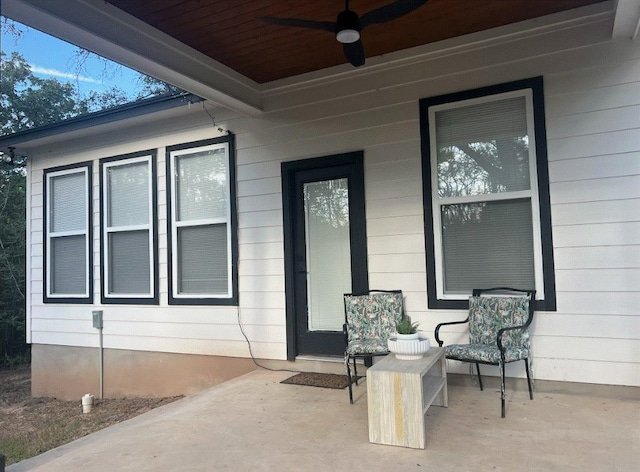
(354, 52)
(320, 25)
(390, 12)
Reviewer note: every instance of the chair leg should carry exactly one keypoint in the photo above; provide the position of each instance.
(346, 363)
(502, 388)
(479, 376)
(526, 366)
(355, 370)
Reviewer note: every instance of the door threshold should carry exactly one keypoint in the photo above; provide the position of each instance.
(309, 357)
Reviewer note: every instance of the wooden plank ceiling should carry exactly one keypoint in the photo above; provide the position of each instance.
(229, 31)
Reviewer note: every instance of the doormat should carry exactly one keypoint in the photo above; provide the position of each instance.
(313, 379)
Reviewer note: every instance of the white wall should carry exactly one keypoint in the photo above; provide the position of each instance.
(592, 97)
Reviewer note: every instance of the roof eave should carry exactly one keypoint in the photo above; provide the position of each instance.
(99, 118)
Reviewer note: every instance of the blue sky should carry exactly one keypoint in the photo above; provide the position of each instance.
(50, 57)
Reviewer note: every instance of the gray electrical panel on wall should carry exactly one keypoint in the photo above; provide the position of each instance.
(97, 319)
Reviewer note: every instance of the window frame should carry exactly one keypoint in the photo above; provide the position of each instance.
(532, 90)
(172, 152)
(152, 297)
(87, 297)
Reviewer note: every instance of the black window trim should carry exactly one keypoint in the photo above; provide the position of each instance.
(155, 297)
(45, 265)
(536, 86)
(233, 300)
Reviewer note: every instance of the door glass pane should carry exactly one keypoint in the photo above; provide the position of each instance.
(328, 251)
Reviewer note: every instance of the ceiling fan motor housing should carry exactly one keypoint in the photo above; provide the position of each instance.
(347, 27)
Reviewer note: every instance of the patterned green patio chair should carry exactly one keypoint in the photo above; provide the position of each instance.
(370, 319)
(498, 331)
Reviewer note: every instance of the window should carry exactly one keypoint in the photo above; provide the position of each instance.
(201, 223)
(129, 234)
(487, 216)
(68, 235)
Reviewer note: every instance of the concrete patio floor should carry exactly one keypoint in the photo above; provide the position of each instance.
(254, 423)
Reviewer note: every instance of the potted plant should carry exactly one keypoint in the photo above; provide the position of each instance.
(406, 330)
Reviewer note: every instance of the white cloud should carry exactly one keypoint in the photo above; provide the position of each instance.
(63, 75)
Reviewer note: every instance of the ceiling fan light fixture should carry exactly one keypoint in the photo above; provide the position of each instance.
(347, 36)
(347, 27)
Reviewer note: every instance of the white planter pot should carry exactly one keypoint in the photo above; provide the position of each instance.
(407, 337)
(409, 350)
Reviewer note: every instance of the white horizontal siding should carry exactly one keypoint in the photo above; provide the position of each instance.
(597, 167)
(604, 234)
(413, 224)
(598, 280)
(585, 326)
(261, 267)
(592, 100)
(589, 349)
(592, 190)
(618, 257)
(580, 370)
(412, 263)
(599, 303)
(607, 211)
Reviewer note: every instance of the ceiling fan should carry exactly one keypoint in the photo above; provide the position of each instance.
(348, 25)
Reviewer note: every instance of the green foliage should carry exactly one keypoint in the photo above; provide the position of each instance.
(405, 326)
(152, 87)
(27, 101)
(12, 264)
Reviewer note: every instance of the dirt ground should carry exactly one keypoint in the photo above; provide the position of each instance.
(30, 426)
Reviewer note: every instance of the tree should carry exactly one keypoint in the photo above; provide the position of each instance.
(27, 101)
(12, 263)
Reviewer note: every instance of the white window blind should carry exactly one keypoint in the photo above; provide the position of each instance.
(483, 148)
(202, 259)
(128, 194)
(67, 202)
(487, 244)
(68, 265)
(67, 235)
(129, 268)
(482, 122)
(202, 185)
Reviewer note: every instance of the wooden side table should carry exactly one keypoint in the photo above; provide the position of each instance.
(399, 393)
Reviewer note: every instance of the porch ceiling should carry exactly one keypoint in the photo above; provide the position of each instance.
(220, 51)
(228, 30)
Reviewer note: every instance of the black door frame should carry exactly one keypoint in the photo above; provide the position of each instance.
(359, 267)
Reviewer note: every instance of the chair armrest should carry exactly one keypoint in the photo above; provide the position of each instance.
(504, 330)
(437, 331)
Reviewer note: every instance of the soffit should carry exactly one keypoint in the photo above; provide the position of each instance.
(229, 32)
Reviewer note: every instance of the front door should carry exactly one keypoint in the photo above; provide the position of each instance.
(325, 241)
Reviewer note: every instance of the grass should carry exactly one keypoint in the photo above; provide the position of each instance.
(30, 426)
